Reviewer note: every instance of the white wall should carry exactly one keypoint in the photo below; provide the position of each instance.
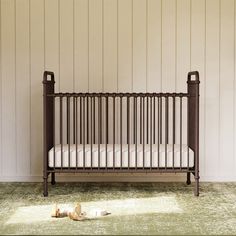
(116, 45)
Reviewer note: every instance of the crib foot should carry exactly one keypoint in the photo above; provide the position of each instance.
(188, 182)
(45, 187)
(196, 190)
(53, 180)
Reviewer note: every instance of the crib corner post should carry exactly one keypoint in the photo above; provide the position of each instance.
(48, 88)
(193, 122)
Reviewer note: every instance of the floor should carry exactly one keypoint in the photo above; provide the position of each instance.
(136, 208)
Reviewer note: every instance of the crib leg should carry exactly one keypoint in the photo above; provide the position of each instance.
(196, 190)
(188, 182)
(45, 186)
(53, 180)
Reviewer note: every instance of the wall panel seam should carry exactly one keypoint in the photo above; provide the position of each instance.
(219, 98)
(147, 84)
(16, 153)
(117, 46)
(132, 64)
(234, 98)
(176, 41)
(30, 84)
(102, 45)
(1, 85)
(204, 136)
(59, 46)
(73, 46)
(88, 45)
(161, 44)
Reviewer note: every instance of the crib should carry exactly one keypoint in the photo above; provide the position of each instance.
(121, 132)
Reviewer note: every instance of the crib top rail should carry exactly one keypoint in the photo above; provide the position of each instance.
(118, 95)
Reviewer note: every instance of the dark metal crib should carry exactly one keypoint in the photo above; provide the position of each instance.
(121, 132)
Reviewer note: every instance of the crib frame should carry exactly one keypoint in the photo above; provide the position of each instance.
(192, 97)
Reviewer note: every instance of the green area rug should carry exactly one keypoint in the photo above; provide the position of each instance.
(136, 208)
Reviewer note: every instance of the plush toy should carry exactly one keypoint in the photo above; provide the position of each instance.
(72, 213)
(76, 213)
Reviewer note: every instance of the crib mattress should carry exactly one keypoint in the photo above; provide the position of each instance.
(161, 160)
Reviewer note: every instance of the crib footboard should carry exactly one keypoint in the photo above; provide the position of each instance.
(121, 132)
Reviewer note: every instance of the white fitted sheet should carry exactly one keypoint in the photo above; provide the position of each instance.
(117, 160)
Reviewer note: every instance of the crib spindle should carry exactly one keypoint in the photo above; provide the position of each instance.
(141, 114)
(107, 125)
(73, 131)
(91, 131)
(76, 132)
(128, 130)
(188, 133)
(61, 129)
(180, 125)
(83, 132)
(135, 131)
(87, 120)
(99, 130)
(54, 142)
(160, 120)
(158, 132)
(114, 129)
(94, 123)
(68, 129)
(166, 128)
(143, 104)
(150, 132)
(154, 119)
(80, 120)
(173, 138)
(147, 100)
(121, 116)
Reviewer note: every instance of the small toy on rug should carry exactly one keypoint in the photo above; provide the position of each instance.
(76, 213)
(73, 213)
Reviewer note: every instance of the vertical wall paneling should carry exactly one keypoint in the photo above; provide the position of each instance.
(81, 49)
(226, 85)
(234, 85)
(182, 43)
(52, 49)
(153, 45)
(22, 88)
(212, 87)
(0, 92)
(168, 45)
(139, 45)
(110, 54)
(125, 48)
(9, 162)
(66, 45)
(36, 72)
(116, 45)
(198, 63)
(95, 45)
(52, 39)
(110, 45)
